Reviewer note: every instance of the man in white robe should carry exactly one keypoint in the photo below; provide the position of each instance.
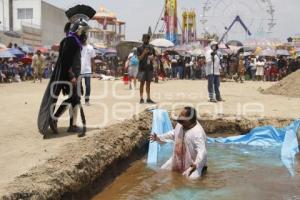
(190, 150)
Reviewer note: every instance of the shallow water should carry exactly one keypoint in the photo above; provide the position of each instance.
(234, 172)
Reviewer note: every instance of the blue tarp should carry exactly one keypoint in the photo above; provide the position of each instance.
(266, 136)
(161, 124)
(17, 52)
(27, 49)
(6, 54)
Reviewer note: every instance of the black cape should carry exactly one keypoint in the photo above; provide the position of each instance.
(69, 50)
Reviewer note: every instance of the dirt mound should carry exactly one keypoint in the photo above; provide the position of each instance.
(289, 86)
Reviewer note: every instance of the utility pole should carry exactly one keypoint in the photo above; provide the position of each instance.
(11, 18)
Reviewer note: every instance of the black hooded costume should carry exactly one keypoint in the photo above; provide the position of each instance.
(68, 67)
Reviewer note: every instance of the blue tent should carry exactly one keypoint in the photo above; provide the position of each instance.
(6, 54)
(27, 49)
(17, 52)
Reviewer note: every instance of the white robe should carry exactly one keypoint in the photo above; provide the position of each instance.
(193, 150)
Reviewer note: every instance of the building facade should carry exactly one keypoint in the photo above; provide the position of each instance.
(37, 22)
(108, 30)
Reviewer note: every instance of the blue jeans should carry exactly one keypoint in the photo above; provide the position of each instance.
(180, 71)
(87, 81)
(213, 86)
(174, 72)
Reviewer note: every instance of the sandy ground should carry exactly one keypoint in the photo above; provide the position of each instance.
(22, 147)
(289, 86)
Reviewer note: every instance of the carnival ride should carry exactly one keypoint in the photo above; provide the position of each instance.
(236, 20)
(258, 14)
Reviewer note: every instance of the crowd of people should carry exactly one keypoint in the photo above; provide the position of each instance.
(261, 68)
(30, 67)
(238, 67)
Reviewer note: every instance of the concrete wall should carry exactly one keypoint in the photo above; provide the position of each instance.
(35, 4)
(53, 21)
(4, 17)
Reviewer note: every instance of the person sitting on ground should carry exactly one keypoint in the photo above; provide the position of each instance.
(190, 151)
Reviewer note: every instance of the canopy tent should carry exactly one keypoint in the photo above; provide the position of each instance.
(263, 43)
(222, 45)
(235, 49)
(234, 43)
(268, 53)
(171, 52)
(226, 51)
(16, 52)
(6, 54)
(197, 52)
(42, 49)
(27, 48)
(282, 52)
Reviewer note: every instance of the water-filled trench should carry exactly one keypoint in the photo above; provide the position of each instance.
(234, 172)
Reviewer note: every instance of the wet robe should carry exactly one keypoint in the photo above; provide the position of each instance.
(190, 148)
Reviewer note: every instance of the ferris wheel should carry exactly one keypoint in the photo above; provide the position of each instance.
(258, 15)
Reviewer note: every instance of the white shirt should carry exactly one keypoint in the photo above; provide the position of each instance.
(212, 68)
(87, 53)
(194, 150)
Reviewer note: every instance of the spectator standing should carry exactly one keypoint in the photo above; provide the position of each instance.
(146, 55)
(88, 55)
(253, 68)
(133, 68)
(213, 68)
(38, 65)
(260, 65)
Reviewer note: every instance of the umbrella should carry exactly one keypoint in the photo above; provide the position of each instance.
(110, 51)
(235, 49)
(162, 43)
(226, 51)
(197, 52)
(16, 52)
(248, 49)
(6, 54)
(222, 45)
(27, 49)
(247, 53)
(234, 43)
(26, 60)
(268, 52)
(171, 52)
(42, 49)
(282, 52)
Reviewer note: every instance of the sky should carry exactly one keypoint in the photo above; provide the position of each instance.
(140, 14)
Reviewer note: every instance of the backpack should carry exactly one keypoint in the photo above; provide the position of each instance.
(134, 61)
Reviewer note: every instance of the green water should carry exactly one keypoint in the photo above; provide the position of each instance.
(234, 172)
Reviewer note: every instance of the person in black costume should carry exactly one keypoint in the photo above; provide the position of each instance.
(65, 77)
